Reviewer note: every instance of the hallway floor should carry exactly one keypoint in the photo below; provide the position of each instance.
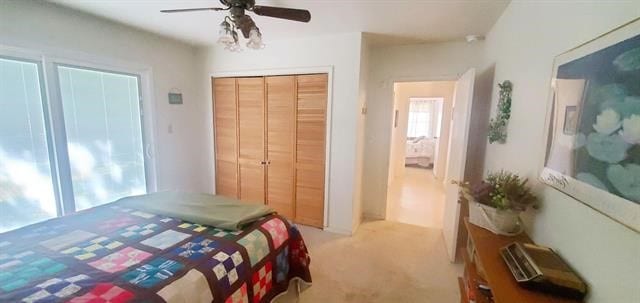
(416, 198)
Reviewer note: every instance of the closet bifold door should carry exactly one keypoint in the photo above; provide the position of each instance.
(281, 131)
(251, 139)
(311, 118)
(225, 128)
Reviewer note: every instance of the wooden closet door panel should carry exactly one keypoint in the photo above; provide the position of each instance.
(225, 127)
(251, 139)
(281, 126)
(310, 148)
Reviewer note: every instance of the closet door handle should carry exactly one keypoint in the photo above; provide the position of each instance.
(263, 162)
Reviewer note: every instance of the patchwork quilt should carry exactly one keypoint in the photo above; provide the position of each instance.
(117, 254)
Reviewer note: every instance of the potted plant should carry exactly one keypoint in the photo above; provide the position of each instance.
(496, 202)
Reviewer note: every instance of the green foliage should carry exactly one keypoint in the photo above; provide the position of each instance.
(510, 191)
(502, 190)
(498, 125)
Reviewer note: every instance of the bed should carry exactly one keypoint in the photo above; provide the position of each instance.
(117, 253)
(420, 152)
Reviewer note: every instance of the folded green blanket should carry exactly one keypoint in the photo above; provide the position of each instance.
(205, 209)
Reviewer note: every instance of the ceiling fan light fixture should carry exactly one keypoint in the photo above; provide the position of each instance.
(226, 34)
(255, 39)
(238, 20)
(234, 47)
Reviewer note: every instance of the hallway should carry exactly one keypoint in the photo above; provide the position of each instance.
(416, 198)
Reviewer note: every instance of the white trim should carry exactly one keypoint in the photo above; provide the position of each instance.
(298, 71)
(20, 53)
(273, 72)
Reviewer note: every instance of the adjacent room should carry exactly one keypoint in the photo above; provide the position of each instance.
(418, 152)
(284, 151)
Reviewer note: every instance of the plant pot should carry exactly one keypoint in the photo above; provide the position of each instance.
(498, 221)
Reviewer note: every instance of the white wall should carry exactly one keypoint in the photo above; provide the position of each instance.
(405, 91)
(63, 32)
(522, 46)
(341, 52)
(362, 105)
(423, 62)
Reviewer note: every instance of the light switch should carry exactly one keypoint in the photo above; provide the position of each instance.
(170, 129)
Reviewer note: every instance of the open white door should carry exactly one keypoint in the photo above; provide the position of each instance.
(457, 151)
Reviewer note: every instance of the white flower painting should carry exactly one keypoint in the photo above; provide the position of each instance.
(607, 122)
(601, 164)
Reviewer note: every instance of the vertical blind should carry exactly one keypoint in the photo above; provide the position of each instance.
(26, 189)
(104, 135)
(104, 143)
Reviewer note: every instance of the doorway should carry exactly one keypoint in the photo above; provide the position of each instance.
(406, 200)
(418, 152)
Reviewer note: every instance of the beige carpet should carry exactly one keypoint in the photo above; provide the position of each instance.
(383, 262)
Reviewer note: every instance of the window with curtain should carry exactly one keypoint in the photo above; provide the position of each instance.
(93, 126)
(420, 118)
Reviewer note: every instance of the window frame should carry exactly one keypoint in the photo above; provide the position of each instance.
(46, 112)
(48, 62)
(434, 113)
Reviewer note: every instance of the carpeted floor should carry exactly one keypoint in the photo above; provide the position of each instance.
(383, 262)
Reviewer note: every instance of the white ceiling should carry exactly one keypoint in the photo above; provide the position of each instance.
(387, 21)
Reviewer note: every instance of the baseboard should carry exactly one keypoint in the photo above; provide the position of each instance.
(373, 216)
(341, 231)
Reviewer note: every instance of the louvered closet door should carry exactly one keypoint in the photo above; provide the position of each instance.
(224, 113)
(251, 135)
(310, 146)
(281, 125)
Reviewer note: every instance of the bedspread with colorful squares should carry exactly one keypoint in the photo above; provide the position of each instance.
(117, 254)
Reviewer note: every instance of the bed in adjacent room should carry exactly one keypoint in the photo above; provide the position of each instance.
(150, 249)
(420, 152)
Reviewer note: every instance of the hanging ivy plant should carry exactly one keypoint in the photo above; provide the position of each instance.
(498, 125)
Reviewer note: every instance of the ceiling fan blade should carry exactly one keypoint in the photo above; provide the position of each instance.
(183, 10)
(301, 15)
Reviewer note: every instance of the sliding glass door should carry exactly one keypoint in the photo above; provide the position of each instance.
(104, 134)
(26, 184)
(83, 147)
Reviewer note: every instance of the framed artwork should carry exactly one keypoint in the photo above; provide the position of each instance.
(593, 125)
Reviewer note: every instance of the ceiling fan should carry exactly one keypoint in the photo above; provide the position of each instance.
(239, 20)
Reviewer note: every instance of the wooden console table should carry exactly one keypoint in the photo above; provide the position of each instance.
(503, 286)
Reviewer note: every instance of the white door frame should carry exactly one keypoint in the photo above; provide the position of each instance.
(391, 82)
(436, 152)
(296, 71)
